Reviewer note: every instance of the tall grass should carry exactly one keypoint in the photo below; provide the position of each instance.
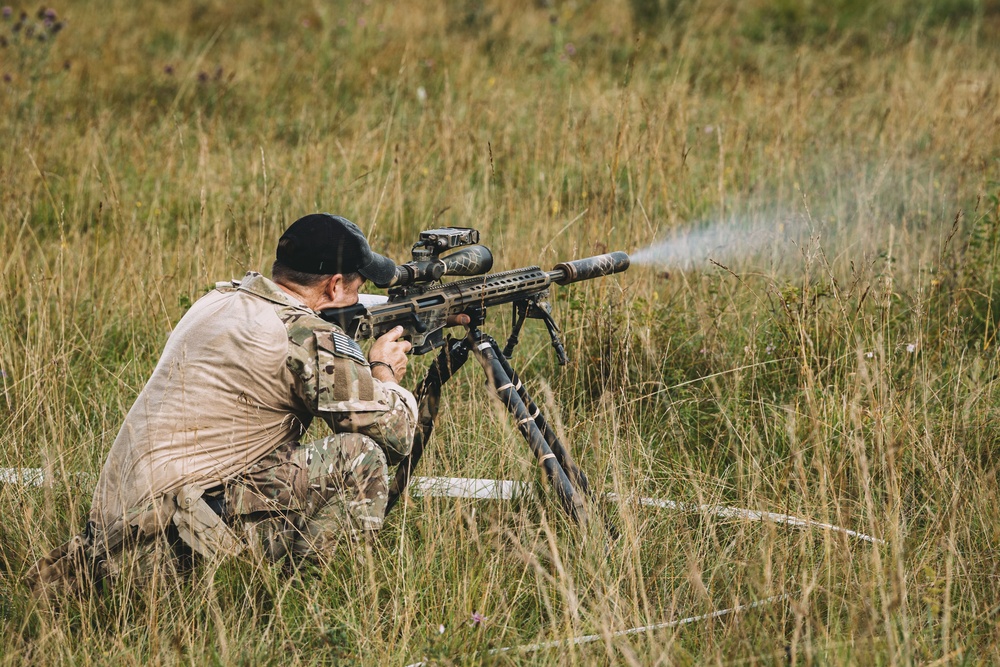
(844, 371)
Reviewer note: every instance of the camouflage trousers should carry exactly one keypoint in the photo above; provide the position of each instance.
(304, 499)
(301, 501)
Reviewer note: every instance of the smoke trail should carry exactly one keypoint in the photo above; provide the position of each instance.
(724, 242)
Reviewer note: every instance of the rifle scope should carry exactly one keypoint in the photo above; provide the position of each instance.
(589, 267)
(469, 260)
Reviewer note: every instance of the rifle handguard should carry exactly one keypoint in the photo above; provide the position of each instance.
(590, 267)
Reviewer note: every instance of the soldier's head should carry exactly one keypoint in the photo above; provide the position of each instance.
(327, 254)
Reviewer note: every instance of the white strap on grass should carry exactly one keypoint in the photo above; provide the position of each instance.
(505, 489)
(752, 515)
(463, 487)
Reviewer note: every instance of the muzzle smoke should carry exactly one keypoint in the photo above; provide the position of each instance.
(724, 242)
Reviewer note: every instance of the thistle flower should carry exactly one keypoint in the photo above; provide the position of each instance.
(477, 618)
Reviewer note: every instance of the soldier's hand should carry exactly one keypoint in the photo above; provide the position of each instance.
(388, 349)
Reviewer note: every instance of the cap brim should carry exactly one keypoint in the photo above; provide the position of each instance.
(380, 270)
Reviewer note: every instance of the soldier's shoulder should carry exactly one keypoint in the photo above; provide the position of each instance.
(309, 333)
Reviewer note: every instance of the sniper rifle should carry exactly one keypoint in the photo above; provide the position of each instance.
(421, 303)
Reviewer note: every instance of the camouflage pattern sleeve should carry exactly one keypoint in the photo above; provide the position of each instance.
(334, 380)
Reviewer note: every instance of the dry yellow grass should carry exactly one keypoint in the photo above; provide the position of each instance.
(844, 372)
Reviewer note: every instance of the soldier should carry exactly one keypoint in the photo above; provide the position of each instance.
(211, 445)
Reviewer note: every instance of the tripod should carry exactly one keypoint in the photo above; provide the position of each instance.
(569, 482)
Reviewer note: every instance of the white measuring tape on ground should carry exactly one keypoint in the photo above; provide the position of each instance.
(505, 489)
(502, 489)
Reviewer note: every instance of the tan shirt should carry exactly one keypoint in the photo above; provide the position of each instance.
(244, 371)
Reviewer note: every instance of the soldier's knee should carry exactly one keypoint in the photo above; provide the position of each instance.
(363, 455)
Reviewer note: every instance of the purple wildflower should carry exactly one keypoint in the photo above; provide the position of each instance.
(477, 618)
(169, 70)
(50, 14)
(7, 12)
(570, 50)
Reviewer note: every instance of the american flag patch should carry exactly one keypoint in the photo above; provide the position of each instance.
(348, 347)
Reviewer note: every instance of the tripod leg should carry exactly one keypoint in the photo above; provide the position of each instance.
(577, 476)
(488, 354)
(449, 360)
(573, 471)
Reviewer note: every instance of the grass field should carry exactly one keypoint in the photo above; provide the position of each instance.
(824, 344)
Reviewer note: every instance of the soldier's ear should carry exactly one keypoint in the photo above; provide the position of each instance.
(333, 287)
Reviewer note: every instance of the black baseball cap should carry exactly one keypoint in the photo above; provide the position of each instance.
(322, 243)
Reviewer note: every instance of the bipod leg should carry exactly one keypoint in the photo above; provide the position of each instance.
(520, 313)
(449, 360)
(489, 355)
